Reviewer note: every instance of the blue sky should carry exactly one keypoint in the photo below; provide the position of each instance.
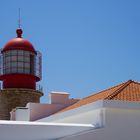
(87, 45)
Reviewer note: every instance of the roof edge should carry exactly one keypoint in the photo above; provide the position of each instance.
(119, 90)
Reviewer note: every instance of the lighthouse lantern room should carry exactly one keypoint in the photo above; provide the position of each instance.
(20, 63)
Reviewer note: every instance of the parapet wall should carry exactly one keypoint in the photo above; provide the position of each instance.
(12, 98)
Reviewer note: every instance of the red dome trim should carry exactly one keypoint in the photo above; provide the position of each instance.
(4, 76)
(19, 44)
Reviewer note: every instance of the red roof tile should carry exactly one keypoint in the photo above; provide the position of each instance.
(128, 91)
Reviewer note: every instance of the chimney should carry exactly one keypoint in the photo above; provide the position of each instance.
(58, 97)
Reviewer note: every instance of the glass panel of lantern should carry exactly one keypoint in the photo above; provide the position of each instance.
(27, 65)
(20, 64)
(20, 52)
(14, 64)
(13, 70)
(7, 65)
(13, 52)
(21, 58)
(26, 53)
(20, 70)
(13, 58)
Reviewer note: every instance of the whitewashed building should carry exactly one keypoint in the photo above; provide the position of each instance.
(112, 114)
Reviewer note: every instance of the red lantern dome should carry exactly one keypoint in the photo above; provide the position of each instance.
(19, 43)
(21, 63)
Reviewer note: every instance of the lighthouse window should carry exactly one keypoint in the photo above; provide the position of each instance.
(27, 59)
(7, 53)
(7, 70)
(14, 52)
(13, 70)
(20, 52)
(26, 65)
(13, 58)
(20, 65)
(7, 65)
(26, 53)
(20, 70)
(7, 59)
(14, 64)
(27, 71)
(21, 58)
(20, 61)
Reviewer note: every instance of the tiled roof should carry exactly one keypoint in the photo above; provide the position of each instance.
(128, 91)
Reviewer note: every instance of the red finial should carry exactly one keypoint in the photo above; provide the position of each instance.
(19, 32)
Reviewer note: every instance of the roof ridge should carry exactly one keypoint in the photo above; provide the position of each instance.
(135, 82)
(108, 94)
(120, 89)
(105, 90)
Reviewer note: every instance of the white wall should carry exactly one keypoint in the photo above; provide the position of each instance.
(120, 124)
(92, 117)
(58, 97)
(61, 98)
(22, 114)
(92, 113)
(38, 111)
(35, 111)
(117, 120)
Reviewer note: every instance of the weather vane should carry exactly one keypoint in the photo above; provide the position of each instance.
(19, 20)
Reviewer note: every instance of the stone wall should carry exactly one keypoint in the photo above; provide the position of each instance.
(12, 98)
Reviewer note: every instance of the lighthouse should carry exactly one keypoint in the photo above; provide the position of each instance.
(20, 70)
